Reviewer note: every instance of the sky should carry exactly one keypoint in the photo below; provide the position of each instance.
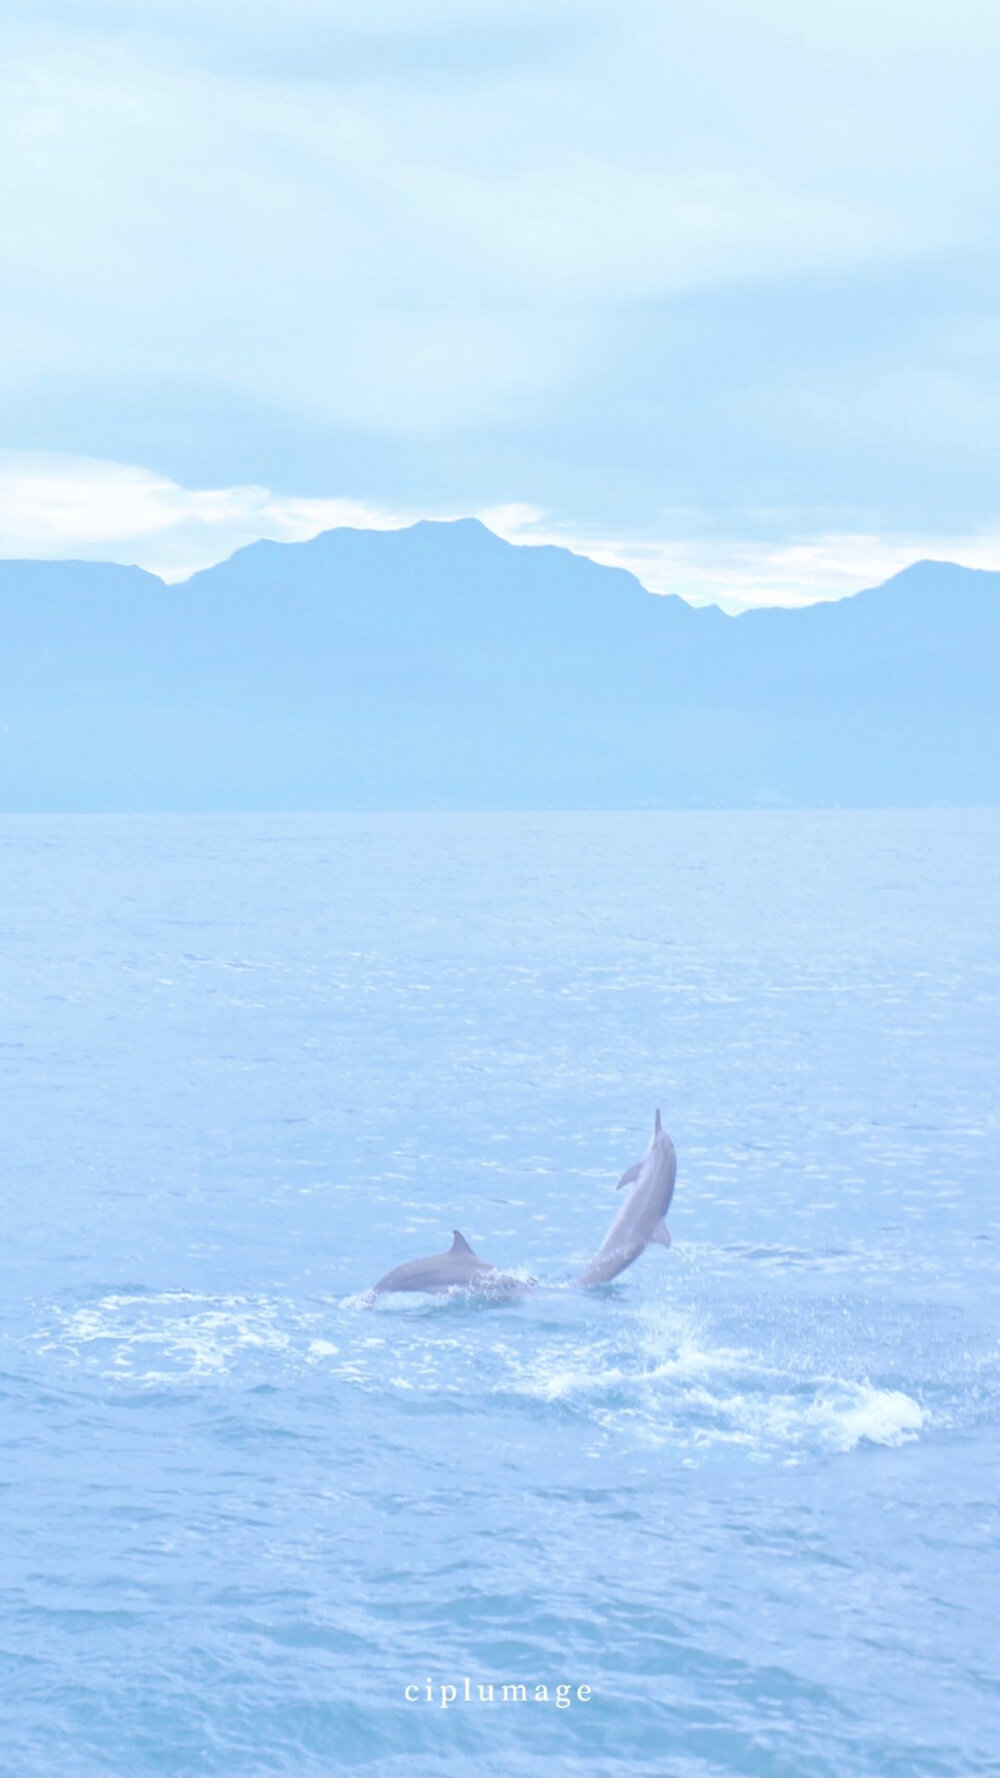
(711, 292)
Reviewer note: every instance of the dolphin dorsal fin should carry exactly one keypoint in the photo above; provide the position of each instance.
(459, 1243)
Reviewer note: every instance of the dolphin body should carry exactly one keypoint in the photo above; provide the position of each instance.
(458, 1269)
(640, 1219)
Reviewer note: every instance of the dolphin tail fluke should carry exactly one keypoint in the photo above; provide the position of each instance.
(661, 1235)
(459, 1243)
(630, 1174)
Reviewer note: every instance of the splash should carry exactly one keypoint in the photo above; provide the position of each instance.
(656, 1378)
(663, 1382)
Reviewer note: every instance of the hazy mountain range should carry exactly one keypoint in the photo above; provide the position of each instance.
(439, 667)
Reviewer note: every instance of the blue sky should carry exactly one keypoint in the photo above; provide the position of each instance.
(711, 290)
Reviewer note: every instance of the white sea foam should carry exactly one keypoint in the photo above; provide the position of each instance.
(671, 1386)
(656, 1378)
(169, 1336)
(859, 1413)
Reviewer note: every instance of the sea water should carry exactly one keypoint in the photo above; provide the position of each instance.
(742, 1504)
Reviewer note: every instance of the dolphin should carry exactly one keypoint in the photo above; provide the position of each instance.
(640, 1219)
(458, 1269)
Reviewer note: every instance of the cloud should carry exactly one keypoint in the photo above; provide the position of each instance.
(61, 506)
(376, 246)
(55, 506)
(613, 260)
(741, 572)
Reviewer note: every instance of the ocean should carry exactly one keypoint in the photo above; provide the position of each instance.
(741, 1505)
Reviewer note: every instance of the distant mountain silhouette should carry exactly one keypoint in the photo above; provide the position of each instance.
(439, 667)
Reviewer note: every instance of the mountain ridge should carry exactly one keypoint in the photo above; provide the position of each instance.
(438, 665)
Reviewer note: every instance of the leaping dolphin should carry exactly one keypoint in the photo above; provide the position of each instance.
(458, 1269)
(640, 1220)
